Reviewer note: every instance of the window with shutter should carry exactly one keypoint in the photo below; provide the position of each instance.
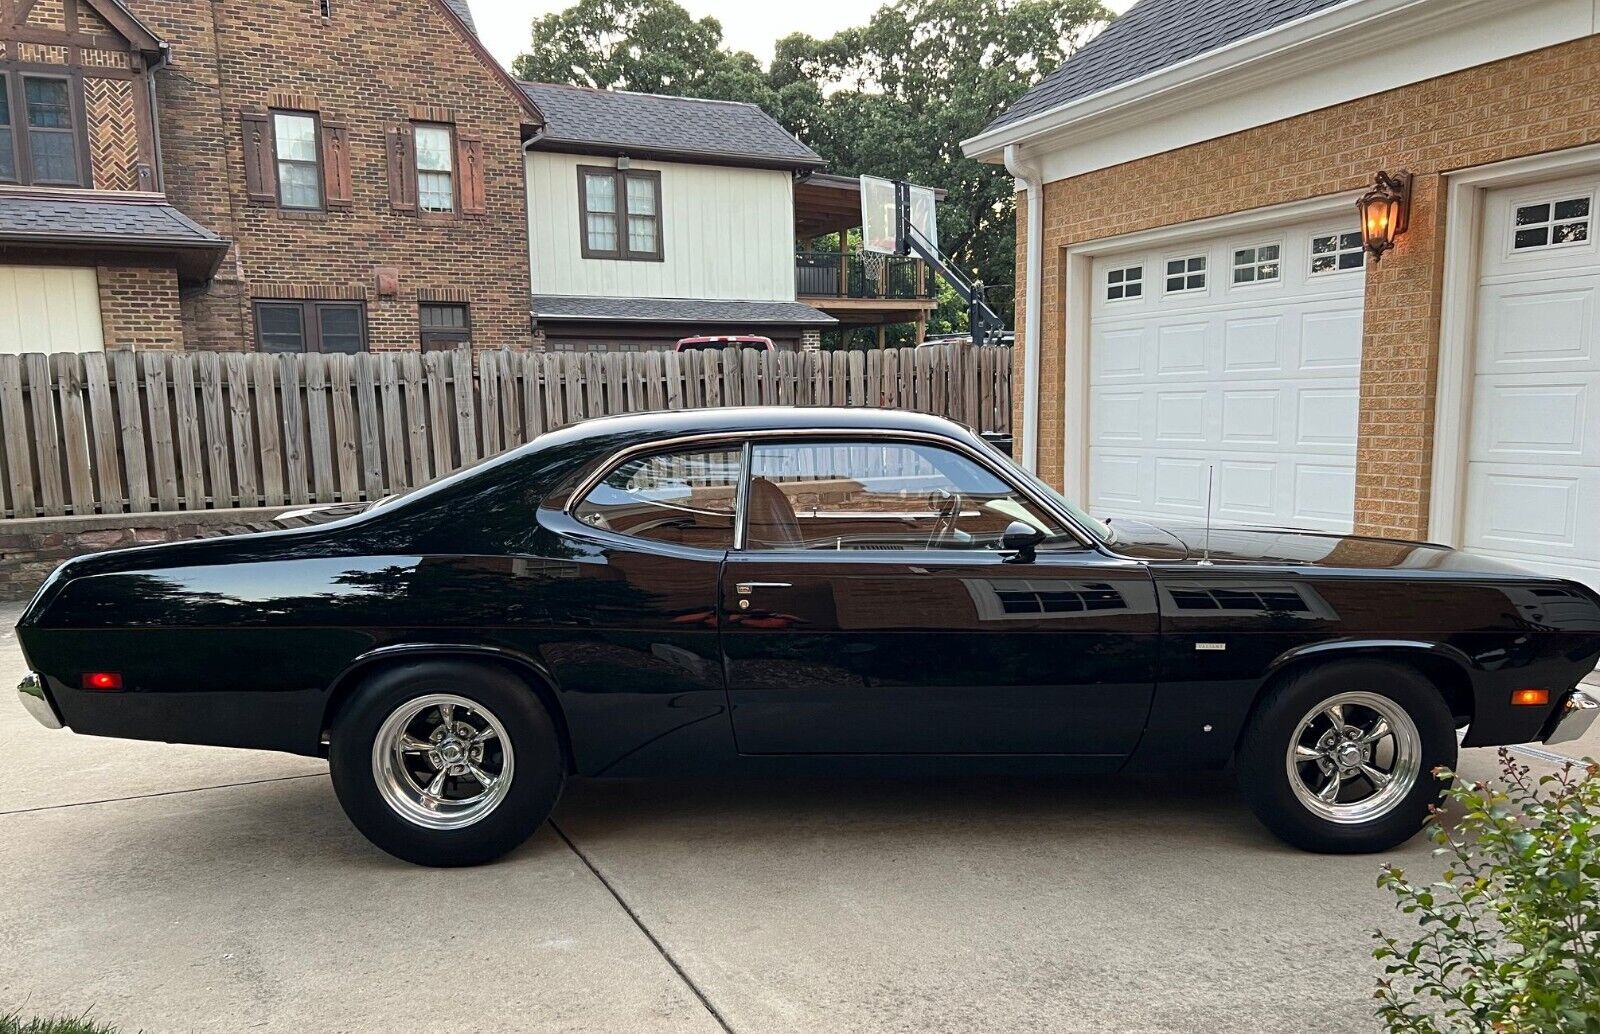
(299, 158)
(436, 168)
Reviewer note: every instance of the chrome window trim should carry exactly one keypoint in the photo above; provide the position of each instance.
(748, 439)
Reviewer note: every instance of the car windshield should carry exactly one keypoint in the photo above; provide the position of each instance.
(1100, 529)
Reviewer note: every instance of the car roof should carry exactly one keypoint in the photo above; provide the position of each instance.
(736, 419)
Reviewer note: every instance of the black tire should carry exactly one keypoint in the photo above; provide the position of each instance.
(534, 786)
(1264, 776)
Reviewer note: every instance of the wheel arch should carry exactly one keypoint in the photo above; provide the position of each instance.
(520, 666)
(1444, 666)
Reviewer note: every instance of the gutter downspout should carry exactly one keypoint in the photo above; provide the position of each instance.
(1028, 175)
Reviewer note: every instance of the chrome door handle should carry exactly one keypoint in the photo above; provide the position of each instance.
(746, 588)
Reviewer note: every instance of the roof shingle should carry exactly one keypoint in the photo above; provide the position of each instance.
(1151, 36)
(463, 10)
(92, 225)
(733, 132)
(130, 223)
(676, 310)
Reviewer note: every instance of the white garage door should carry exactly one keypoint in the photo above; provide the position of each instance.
(49, 309)
(1533, 470)
(1240, 354)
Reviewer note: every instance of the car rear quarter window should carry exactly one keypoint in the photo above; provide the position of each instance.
(684, 497)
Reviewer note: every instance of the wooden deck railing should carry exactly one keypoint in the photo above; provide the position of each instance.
(135, 432)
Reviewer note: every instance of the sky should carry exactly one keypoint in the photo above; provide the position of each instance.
(753, 25)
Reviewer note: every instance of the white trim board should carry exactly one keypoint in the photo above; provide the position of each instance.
(1452, 418)
(1078, 268)
(1342, 53)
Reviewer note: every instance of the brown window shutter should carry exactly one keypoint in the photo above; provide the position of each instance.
(469, 159)
(402, 168)
(336, 163)
(260, 159)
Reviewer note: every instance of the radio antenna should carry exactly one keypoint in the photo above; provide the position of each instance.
(1211, 479)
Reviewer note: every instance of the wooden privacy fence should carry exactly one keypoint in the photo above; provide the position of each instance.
(135, 432)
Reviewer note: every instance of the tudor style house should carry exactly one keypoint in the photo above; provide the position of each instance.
(655, 218)
(1197, 296)
(282, 175)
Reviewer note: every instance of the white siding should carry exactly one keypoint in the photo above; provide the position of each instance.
(49, 309)
(726, 233)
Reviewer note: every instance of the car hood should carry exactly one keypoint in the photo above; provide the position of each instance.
(1180, 540)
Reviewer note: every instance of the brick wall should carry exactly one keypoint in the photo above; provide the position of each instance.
(1534, 103)
(140, 308)
(370, 65)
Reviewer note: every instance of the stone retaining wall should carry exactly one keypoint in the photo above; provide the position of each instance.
(30, 549)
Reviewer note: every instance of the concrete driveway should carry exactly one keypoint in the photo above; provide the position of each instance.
(186, 889)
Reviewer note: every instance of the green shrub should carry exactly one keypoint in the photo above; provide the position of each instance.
(1510, 937)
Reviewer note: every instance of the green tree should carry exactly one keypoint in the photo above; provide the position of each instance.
(894, 97)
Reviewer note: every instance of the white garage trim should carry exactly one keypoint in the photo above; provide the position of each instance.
(1078, 264)
(1453, 407)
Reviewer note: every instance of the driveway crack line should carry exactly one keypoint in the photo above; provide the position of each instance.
(161, 793)
(722, 1021)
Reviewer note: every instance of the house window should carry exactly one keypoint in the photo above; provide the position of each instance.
(444, 327)
(327, 8)
(294, 326)
(436, 179)
(621, 212)
(294, 136)
(1257, 265)
(39, 130)
(1186, 274)
(1337, 253)
(1127, 282)
(8, 139)
(1552, 224)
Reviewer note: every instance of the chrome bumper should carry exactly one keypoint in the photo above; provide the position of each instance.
(1577, 713)
(31, 690)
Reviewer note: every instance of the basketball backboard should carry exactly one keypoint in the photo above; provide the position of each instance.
(891, 211)
(880, 222)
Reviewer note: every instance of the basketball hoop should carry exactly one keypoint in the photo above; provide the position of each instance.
(874, 264)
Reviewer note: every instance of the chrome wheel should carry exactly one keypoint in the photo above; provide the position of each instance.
(442, 761)
(1354, 757)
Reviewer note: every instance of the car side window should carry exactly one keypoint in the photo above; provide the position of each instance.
(880, 496)
(686, 498)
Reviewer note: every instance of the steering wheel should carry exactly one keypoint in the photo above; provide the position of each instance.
(947, 505)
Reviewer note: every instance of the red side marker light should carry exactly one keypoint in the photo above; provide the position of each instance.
(102, 680)
(1531, 697)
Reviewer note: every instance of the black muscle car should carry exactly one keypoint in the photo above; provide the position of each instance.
(793, 590)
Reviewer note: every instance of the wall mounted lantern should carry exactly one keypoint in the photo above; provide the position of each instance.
(1385, 212)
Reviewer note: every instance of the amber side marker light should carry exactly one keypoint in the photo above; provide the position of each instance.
(1530, 697)
(102, 680)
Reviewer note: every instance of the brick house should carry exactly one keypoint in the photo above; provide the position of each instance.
(1197, 299)
(184, 173)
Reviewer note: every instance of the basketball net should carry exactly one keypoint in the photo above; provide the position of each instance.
(873, 264)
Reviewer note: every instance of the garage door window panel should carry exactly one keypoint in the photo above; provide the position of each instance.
(1186, 275)
(1125, 284)
(1259, 264)
(1333, 253)
(1552, 224)
(681, 498)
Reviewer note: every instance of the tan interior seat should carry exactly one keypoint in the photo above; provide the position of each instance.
(772, 523)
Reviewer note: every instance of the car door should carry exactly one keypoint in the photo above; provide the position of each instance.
(868, 609)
